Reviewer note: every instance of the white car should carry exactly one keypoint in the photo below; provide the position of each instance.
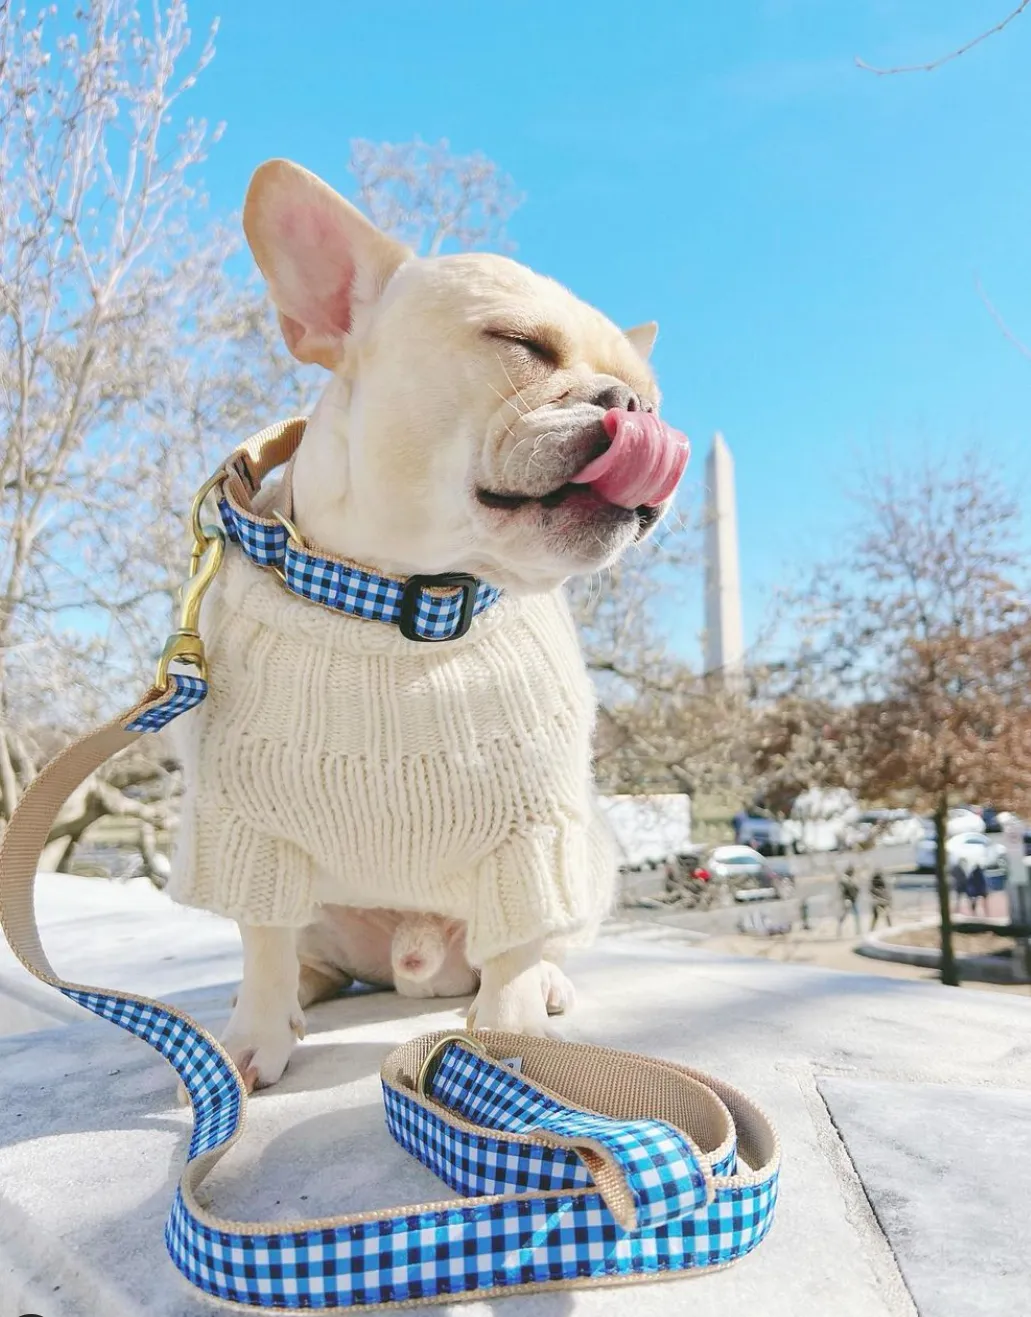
(963, 821)
(886, 827)
(735, 862)
(969, 847)
(739, 873)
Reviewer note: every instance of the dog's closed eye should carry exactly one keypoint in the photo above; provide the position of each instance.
(536, 346)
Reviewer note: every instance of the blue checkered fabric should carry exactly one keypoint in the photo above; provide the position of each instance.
(209, 1076)
(557, 1229)
(264, 542)
(184, 693)
(660, 1165)
(344, 587)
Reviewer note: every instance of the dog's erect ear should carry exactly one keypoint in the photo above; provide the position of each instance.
(642, 338)
(320, 257)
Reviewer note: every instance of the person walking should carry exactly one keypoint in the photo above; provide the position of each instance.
(880, 899)
(977, 890)
(848, 894)
(958, 874)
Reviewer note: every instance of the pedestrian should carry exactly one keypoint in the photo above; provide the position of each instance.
(880, 899)
(958, 874)
(977, 890)
(848, 893)
(803, 910)
(738, 822)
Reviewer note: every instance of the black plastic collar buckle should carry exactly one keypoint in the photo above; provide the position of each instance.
(412, 593)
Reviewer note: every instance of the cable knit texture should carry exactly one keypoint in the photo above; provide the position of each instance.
(336, 762)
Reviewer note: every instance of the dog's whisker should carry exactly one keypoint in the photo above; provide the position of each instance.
(515, 449)
(526, 406)
(535, 439)
(508, 403)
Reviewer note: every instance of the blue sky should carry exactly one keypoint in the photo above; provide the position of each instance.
(807, 235)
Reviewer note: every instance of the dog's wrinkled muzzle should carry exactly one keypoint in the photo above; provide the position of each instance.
(643, 464)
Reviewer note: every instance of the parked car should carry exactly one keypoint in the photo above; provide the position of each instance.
(764, 834)
(969, 847)
(886, 827)
(989, 815)
(992, 819)
(773, 881)
(746, 874)
(963, 819)
(734, 862)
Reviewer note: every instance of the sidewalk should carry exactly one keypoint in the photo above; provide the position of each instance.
(902, 1107)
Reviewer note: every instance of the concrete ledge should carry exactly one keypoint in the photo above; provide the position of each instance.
(878, 1087)
(982, 969)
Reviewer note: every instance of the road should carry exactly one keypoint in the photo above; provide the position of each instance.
(816, 884)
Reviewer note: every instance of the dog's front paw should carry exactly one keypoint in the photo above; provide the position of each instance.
(559, 993)
(261, 1046)
(519, 1007)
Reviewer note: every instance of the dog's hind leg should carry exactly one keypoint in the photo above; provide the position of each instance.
(320, 984)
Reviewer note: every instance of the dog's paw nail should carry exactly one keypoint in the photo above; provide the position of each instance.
(243, 1063)
(251, 1078)
(297, 1024)
(559, 994)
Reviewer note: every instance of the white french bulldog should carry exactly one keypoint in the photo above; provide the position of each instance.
(478, 419)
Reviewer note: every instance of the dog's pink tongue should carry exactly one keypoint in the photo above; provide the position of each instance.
(643, 464)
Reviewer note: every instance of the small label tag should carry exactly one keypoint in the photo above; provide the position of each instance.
(514, 1063)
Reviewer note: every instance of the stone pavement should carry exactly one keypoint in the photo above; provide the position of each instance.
(902, 1108)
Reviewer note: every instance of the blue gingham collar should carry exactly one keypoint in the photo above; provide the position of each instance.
(424, 608)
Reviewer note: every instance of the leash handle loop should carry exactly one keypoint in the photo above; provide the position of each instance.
(648, 1172)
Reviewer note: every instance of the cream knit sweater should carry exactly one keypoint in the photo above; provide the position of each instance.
(336, 762)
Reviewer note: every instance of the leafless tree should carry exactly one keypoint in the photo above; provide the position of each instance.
(431, 198)
(127, 356)
(919, 641)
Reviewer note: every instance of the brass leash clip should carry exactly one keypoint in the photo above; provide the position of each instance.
(184, 645)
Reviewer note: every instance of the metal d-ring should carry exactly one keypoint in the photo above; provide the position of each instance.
(432, 1058)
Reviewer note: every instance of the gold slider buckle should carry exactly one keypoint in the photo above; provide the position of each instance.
(292, 533)
(432, 1058)
(184, 645)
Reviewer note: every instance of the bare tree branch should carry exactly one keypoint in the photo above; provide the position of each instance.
(945, 59)
(429, 197)
(1008, 333)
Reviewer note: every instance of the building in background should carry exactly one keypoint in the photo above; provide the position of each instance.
(648, 828)
(724, 635)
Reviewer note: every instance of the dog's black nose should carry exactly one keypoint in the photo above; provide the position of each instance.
(618, 395)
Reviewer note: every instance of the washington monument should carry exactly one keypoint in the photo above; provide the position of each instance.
(724, 644)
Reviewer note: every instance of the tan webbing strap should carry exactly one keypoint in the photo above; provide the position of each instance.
(26, 834)
(263, 452)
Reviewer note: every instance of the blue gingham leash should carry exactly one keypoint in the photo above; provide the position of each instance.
(576, 1165)
(425, 608)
